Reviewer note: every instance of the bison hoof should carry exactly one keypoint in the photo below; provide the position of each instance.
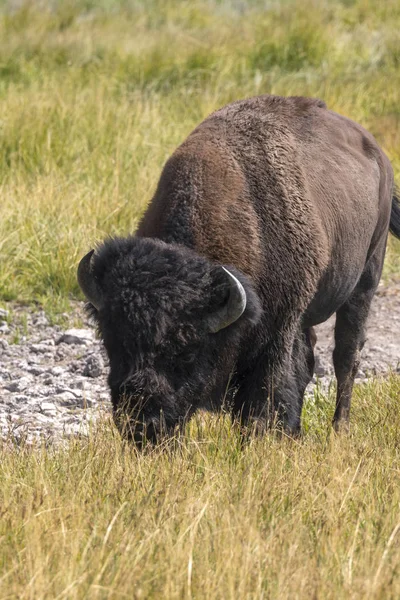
(341, 426)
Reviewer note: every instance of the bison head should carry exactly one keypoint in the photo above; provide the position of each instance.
(171, 322)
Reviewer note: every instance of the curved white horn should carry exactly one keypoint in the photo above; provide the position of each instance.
(234, 307)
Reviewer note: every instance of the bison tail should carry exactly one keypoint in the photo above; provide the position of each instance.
(395, 214)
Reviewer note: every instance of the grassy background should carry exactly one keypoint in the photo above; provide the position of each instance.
(276, 519)
(94, 96)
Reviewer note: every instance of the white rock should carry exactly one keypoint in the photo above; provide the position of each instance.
(58, 371)
(21, 399)
(77, 393)
(48, 342)
(19, 385)
(33, 359)
(66, 399)
(48, 408)
(78, 384)
(41, 320)
(94, 366)
(34, 370)
(39, 348)
(23, 365)
(45, 419)
(4, 328)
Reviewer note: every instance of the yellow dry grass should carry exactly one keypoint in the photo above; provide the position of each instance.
(207, 517)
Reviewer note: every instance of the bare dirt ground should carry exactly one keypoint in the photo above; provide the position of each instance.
(53, 379)
(382, 348)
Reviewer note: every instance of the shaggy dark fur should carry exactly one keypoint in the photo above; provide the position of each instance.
(154, 323)
(395, 216)
(296, 201)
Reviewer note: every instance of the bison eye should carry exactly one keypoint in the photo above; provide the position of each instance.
(186, 358)
(179, 365)
(182, 364)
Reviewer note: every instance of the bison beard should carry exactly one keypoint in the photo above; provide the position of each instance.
(269, 218)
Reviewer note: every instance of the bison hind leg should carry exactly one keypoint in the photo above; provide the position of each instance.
(350, 327)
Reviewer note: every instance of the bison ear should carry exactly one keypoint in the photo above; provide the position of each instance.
(230, 298)
(87, 281)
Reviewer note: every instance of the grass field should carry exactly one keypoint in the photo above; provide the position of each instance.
(206, 518)
(94, 96)
(93, 101)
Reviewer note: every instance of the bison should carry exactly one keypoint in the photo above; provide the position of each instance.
(270, 217)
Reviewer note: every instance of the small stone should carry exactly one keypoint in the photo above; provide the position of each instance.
(77, 336)
(49, 408)
(77, 393)
(33, 359)
(4, 328)
(66, 399)
(23, 365)
(36, 394)
(64, 352)
(78, 384)
(21, 398)
(3, 344)
(39, 348)
(18, 385)
(40, 320)
(320, 368)
(94, 366)
(3, 313)
(35, 370)
(46, 391)
(45, 419)
(57, 371)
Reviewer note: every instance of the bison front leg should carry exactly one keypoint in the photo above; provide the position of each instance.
(251, 406)
(289, 394)
(350, 327)
(271, 394)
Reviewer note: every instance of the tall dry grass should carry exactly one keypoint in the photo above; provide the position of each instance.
(207, 517)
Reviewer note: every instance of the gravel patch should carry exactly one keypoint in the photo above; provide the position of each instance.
(381, 352)
(53, 381)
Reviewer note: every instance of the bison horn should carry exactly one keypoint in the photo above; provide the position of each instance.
(87, 281)
(233, 308)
